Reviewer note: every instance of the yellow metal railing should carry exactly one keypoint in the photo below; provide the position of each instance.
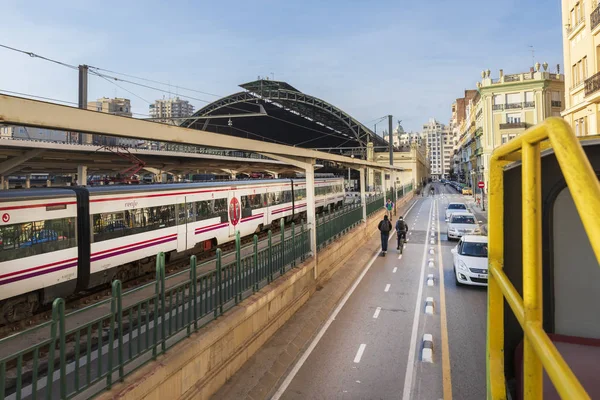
(538, 349)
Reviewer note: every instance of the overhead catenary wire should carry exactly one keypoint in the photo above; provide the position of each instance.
(34, 55)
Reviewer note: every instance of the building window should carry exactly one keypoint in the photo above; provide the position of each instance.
(512, 98)
(513, 118)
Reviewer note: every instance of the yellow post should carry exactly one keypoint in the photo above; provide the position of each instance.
(496, 387)
(532, 265)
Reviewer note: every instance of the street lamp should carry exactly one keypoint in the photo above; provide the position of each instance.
(481, 168)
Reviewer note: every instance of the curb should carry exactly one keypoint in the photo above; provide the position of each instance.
(427, 352)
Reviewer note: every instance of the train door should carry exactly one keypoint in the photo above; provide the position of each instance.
(235, 211)
(181, 223)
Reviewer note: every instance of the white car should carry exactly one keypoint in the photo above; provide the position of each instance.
(462, 223)
(455, 207)
(471, 261)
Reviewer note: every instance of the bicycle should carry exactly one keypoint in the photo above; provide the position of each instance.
(401, 240)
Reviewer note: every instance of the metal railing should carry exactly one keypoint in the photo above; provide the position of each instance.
(528, 104)
(513, 125)
(575, 26)
(538, 351)
(592, 84)
(333, 225)
(512, 78)
(498, 107)
(89, 357)
(512, 106)
(374, 204)
(556, 103)
(595, 18)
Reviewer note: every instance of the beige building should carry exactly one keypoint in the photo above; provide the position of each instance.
(440, 142)
(170, 110)
(411, 157)
(509, 105)
(116, 106)
(581, 51)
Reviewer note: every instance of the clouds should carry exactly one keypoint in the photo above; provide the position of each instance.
(410, 59)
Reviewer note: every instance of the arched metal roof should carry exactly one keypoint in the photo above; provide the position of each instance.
(276, 111)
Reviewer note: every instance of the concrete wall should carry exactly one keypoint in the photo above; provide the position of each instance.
(198, 366)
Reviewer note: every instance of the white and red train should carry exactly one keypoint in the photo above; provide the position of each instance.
(59, 241)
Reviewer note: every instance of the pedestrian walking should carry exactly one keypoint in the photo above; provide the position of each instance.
(389, 206)
(385, 227)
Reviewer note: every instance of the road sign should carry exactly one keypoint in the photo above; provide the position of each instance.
(481, 185)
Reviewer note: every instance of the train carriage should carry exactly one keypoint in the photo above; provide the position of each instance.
(56, 242)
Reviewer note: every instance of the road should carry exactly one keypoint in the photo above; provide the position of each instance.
(374, 347)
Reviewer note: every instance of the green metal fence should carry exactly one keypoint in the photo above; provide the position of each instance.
(374, 204)
(404, 190)
(332, 225)
(127, 331)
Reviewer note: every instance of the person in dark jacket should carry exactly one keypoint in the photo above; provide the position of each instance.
(401, 230)
(385, 227)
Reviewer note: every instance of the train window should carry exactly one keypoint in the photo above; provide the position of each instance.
(123, 223)
(181, 214)
(300, 194)
(287, 196)
(210, 209)
(252, 201)
(275, 198)
(39, 237)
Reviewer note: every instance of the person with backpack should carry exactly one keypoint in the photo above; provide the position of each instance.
(389, 206)
(385, 227)
(401, 230)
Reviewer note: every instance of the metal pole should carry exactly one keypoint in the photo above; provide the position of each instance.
(83, 92)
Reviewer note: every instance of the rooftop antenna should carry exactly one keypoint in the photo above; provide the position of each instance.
(532, 55)
(273, 76)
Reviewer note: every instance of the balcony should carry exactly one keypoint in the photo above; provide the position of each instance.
(498, 107)
(512, 78)
(478, 151)
(512, 106)
(592, 84)
(529, 104)
(573, 28)
(514, 125)
(556, 103)
(478, 132)
(595, 18)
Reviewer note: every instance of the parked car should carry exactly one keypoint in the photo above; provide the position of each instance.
(470, 259)
(462, 223)
(455, 207)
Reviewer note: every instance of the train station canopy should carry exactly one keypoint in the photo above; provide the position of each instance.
(277, 112)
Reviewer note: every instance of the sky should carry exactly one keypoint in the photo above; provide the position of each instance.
(369, 58)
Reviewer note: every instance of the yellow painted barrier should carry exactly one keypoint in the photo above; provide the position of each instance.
(538, 350)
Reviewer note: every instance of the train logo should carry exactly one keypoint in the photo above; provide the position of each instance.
(5, 217)
(235, 211)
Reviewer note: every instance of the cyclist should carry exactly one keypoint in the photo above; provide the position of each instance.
(401, 230)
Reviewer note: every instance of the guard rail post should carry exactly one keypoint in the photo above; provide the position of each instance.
(219, 284)
(238, 268)
(270, 234)
(282, 243)
(255, 262)
(293, 244)
(194, 294)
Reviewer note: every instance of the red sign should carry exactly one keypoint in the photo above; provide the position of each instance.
(481, 185)
(5, 217)
(235, 211)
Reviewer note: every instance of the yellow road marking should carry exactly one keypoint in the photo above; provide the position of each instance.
(446, 376)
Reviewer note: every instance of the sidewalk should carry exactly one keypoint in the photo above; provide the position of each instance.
(260, 376)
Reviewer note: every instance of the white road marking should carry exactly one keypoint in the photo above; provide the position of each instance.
(387, 288)
(400, 256)
(359, 353)
(410, 364)
(317, 338)
(394, 270)
(377, 311)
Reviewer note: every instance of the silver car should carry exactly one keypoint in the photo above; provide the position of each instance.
(455, 207)
(462, 223)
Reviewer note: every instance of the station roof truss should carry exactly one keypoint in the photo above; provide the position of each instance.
(280, 113)
(33, 113)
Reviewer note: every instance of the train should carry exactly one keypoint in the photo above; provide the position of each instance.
(56, 242)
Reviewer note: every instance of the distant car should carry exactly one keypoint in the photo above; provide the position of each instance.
(467, 191)
(455, 207)
(470, 259)
(462, 223)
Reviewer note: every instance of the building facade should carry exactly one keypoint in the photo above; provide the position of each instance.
(116, 106)
(439, 142)
(509, 105)
(169, 110)
(581, 52)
